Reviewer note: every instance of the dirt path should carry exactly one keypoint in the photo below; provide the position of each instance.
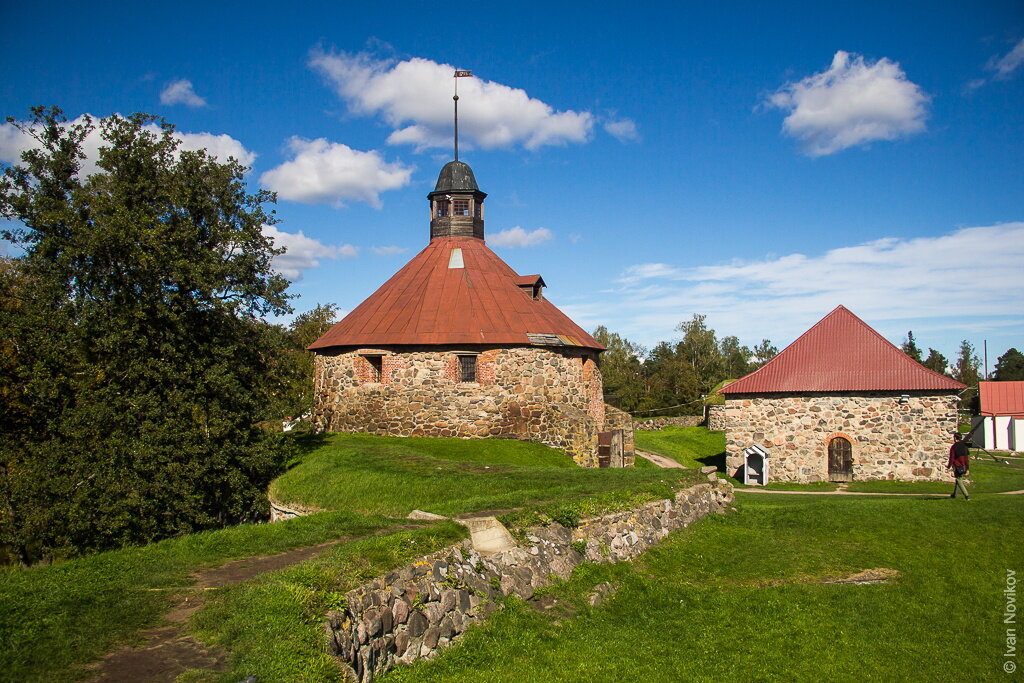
(660, 460)
(167, 651)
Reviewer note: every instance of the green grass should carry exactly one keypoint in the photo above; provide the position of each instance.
(54, 619)
(739, 597)
(392, 476)
(273, 625)
(987, 476)
(689, 446)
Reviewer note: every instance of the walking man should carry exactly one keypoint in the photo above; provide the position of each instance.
(959, 462)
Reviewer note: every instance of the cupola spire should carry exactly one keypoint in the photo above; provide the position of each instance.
(457, 204)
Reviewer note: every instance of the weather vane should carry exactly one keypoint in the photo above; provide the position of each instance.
(458, 74)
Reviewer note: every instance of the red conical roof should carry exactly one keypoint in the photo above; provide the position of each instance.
(841, 353)
(455, 291)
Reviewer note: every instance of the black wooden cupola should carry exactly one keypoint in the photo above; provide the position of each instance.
(456, 204)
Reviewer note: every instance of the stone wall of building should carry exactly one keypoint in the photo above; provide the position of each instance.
(414, 611)
(716, 418)
(550, 395)
(891, 439)
(661, 422)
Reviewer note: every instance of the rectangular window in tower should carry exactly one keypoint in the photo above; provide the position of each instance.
(467, 368)
(376, 367)
(478, 210)
(442, 208)
(460, 207)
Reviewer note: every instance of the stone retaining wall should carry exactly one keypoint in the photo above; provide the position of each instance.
(659, 422)
(413, 612)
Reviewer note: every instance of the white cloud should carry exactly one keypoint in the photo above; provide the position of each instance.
(181, 92)
(1003, 66)
(388, 251)
(13, 142)
(624, 130)
(853, 103)
(969, 278)
(517, 237)
(1008, 63)
(414, 97)
(303, 252)
(323, 171)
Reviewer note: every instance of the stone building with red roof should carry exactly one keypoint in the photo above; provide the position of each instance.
(842, 403)
(457, 344)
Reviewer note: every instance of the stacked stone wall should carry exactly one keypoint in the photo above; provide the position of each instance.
(415, 611)
(716, 417)
(892, 437)
(661, 422)
(538, 394)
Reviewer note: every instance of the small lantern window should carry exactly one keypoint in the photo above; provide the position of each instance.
(442, 208)
(460, 207)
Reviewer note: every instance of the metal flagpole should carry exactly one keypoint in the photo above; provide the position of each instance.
(458, 74)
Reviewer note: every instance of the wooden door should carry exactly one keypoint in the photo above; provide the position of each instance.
(840, 460)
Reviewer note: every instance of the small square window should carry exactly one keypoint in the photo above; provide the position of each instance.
(460, 207)
(467, 368)
(442, 208)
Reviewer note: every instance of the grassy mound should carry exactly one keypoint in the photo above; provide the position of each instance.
(392, 476)
(747, 596)
(689, 446)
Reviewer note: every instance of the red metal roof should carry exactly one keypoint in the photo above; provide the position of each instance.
(433, 301)
(841, 353)
(1002, 398)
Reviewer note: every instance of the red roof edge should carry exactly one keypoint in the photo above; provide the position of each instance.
(743, 384)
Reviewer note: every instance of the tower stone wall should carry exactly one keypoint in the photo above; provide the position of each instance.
(550, 395)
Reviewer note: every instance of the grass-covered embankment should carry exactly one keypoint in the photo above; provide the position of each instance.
(54, 619)
(392, 476)
(693, 447)
(273, 625)
(742, 597)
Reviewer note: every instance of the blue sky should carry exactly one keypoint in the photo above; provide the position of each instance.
(760, 163)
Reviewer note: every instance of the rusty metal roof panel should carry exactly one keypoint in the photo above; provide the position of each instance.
(428, 302)
(841, 353)
(1002, 398)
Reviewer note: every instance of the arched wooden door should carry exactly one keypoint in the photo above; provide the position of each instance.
(840, 460)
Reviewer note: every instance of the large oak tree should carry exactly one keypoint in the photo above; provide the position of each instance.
(133, 356)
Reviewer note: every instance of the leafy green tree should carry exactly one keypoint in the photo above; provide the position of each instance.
(937, 362)
(1009, 366)
(910, 347)
(138, 363)
(735, 358)
(304, 330)
(763, 353)
(966, 370)
(622, 370)
(699, 350)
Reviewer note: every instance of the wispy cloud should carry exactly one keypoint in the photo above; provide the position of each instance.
(13, 142)
(413, 97)
(330, 172)
(181, 92)
(388, 251)
(853, 102)
(303, 252)
(517, 237)
(972, 275)
(1003, 67)
(623, 130)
